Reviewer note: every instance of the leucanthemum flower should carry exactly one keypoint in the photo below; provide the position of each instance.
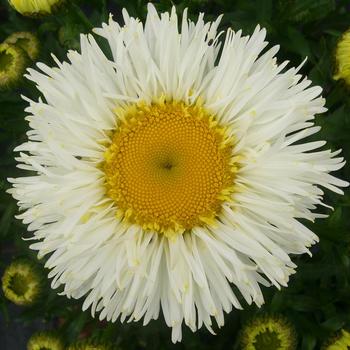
(45, 340)
(22, 282)
(268, 332)
(166, 175)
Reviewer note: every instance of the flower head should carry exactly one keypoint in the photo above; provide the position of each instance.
(177, 169)
(45, 340)
(13, 62)
(22, 282)
(26, 41)
(266, 332)
(342, 58)
(338, 342)
(35, 7)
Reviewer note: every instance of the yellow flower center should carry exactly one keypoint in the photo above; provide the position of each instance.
(169, 166)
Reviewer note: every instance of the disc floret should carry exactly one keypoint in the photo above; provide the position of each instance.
(169, 166)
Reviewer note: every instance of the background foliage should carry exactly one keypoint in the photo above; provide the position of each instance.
(317, 300)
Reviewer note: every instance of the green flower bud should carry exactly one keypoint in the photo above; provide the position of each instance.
(45, 341)
(268, 332)
(22, 282)
(26, 41)
(340, 341)
(35, 8)
(13, 62)
(342, 58)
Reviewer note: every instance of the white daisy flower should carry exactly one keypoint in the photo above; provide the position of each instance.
(165, 176)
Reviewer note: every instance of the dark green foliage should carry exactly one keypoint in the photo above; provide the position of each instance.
(317, 300)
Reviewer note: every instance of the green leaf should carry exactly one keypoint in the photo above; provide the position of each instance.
(308, 342)
(298, 43)
(6, 219)
(335, 218)
(263, 10)
(304, 11)
(333, 324)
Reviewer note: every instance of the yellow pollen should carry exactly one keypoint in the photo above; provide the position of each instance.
(169, 166)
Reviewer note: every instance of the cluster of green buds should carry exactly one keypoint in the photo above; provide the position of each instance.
(16, 53)
(35, 8)
(23, 282)
(268, 332)
(20, 48)
(45, 340)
